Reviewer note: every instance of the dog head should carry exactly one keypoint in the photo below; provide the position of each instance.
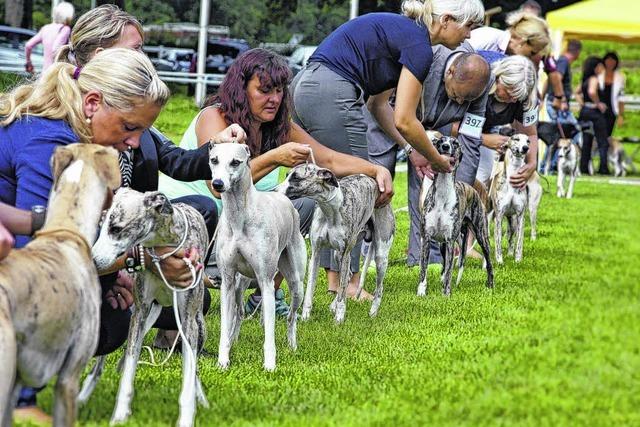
(518, 144)
(229, 163)
(309, 180)
(133, 218)
(446, 145)
(564, 147)
(72, 162)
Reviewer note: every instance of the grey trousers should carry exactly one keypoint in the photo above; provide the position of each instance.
(329, 108)
(382, 151)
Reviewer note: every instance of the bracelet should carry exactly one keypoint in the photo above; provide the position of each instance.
(558, 96)
(408, 149)
(38, 215)
(141, 255)
(132, 262)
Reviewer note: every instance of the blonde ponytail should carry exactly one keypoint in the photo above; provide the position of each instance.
(530, 29)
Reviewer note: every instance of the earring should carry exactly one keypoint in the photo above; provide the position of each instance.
(88, 120)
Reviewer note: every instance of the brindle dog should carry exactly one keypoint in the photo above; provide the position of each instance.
(49, 290)
(449, 209)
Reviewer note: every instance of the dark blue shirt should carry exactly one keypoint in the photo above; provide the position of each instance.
(26, 147)
(371, 50)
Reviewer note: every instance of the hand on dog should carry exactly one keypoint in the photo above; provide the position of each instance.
(385, 185)
(291, 154)
(495, 142)
(121, 294)
(443, 164)
(421, 165)
(233, 133)
(519, 179)
(175, 268)
(6, 242)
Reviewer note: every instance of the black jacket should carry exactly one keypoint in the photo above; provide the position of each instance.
(158, 153)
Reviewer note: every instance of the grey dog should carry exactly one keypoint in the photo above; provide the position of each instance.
(345, 209)
(49, 290)
(258, 235)
(449, 209)
(151, 220)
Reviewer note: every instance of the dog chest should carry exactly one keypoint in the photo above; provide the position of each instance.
(441, 216)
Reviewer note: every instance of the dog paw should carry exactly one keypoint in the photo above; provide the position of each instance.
(422, 289)
(119, 417)
(223, 364)
(270, 366)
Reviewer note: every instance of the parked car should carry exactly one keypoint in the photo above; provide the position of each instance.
(299, 57)
(12, 41)
(221, 52)
(170, 58)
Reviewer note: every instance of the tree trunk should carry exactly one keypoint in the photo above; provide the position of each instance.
(13, 12)
(119, 3)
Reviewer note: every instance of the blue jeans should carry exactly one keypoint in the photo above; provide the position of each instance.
(560, 117)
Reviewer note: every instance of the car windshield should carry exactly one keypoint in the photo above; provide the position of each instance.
(17, 41)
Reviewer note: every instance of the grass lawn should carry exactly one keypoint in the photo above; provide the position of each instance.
(557, 342)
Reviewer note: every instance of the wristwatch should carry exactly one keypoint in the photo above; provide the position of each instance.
(407, 149)
(38, 215)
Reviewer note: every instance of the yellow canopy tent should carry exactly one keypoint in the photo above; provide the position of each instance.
(617, 20)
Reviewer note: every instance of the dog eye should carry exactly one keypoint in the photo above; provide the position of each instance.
(115, 229)
(214, 160)
(235, 162)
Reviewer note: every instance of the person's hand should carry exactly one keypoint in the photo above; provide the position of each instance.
(556, 103)
(421, 165)
(121, 294)
(495, 142)
(602, 106)
(620, 121)
(233, 133)
(521, 177)
(442, 164)
(6, 242)
(175, 268)
(385, 185)
(28, 67)
(291, 154)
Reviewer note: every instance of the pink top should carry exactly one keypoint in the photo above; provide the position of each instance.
(52, 37)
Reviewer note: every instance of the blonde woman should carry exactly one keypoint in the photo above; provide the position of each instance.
(512, 101)
(370, 57)
(52, 36)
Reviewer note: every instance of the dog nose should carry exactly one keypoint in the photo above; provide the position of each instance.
(217, 185)
(446, 147)
(525, 149)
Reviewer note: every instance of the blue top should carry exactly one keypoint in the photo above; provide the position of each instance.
(26, 147)
(370, 51)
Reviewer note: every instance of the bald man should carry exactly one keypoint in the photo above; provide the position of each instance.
(453, 102)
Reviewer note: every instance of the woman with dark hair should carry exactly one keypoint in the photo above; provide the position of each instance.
(255, 95)
(611, 84)
(594, 110)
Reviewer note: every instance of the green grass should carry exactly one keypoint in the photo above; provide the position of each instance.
(557, 342)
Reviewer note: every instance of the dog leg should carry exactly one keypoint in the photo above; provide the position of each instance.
(381, 250)
(365, 268)
(226, 316)
(66, 392)
(463, 252)
(535, 195)
(91, 380)
(481, 230)
(512, 226)
(424, 263)
(519, 236)
(291, 265)
(189, 307)
(340, 306)
(267, 288)
(498, 236)
(132, 353)
(447, 268)
(560, 183)
(311, 283)
(241, 286)
(8, 357)
(572, 181)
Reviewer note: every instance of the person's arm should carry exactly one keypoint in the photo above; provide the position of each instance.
(28, 47)
(592, 90)
(18, 221)
(559, 100)
(408, 95)
(6, 242)
(521, 177)
(382, 112)
(620, 119)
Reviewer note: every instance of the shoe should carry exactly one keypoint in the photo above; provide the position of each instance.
(255, 301)
(31, 415)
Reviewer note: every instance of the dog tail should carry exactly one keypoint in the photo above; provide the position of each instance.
(8, 354)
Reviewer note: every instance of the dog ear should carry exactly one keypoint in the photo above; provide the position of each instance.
(62, 157)
(507, 131)
(328, 177)
(433, 136)
(107, 166)
(158, 202)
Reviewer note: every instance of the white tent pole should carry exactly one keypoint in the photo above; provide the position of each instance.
(556, 42)
(201, 88)
(353, 12)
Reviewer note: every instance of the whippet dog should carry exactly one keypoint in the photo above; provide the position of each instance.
(51, 328)
(508, 201)
(345, 209)
(568, 166)
(449, 208)
(150, 220)
(258, 235)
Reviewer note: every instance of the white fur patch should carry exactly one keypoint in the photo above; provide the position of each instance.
(73, 172)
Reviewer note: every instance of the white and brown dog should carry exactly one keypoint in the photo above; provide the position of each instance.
(150, 220)
(51, 328)
(345, 209)
(258, 235)
(449, 209)
(511, 202)
(568, 166)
